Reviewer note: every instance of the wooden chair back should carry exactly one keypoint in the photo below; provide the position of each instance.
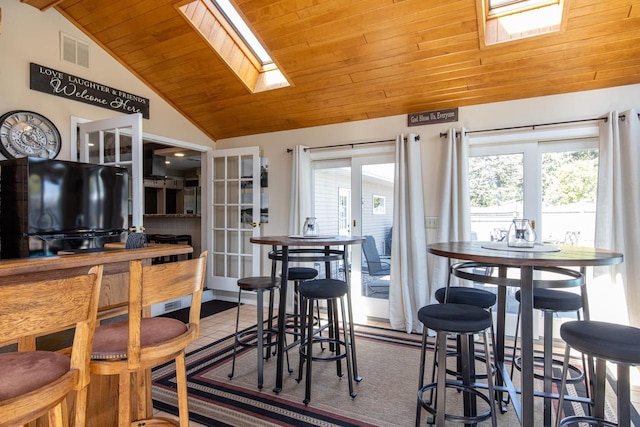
(156, 284)
(32, 309)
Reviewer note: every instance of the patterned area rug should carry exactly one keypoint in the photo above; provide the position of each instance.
(388, 361)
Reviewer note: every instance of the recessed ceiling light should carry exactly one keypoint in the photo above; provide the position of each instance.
(179, 154)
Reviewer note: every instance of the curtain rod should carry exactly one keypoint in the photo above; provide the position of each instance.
(531, 126)
(289, 150)
(622, 116)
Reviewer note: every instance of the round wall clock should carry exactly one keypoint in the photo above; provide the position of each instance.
(28, 134)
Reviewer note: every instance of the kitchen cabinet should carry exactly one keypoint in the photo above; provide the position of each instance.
(163, 196)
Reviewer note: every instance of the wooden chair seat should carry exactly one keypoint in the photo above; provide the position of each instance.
(111, 340)
(24, 372)
(35, 382)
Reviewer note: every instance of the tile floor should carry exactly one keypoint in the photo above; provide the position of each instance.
(223, 324)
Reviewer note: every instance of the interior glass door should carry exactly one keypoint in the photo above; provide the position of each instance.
(235, 216)
(117, 142)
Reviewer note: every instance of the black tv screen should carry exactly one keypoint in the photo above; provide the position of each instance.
(69, 197)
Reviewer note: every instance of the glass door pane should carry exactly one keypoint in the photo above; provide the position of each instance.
(569, 186)
(376, 221)
(496, 193)
(355, 197)
(373, 209)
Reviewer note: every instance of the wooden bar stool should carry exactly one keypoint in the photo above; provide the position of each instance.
(37, 383)
(128, 348)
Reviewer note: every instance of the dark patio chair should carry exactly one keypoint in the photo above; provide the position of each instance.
(375, 265)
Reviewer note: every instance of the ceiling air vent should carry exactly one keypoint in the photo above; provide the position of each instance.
(74, 51)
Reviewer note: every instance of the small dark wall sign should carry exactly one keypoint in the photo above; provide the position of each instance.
(54, 82)
(432, 117)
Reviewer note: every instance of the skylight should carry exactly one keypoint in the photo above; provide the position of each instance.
(243, 30)
(507, 20)
(502, 7)
(223, 28)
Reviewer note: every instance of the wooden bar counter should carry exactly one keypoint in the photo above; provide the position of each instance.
(113, 302)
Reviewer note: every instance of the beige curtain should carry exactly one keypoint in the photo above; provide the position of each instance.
(408, 289)
(300, 200)
(455, 214)
(615, 292)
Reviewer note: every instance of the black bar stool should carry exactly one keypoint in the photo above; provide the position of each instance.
(298, 275)
(255, 337)
(471, 296)
(551, 302)
(605, 342)
(185, 239)
(467, 295)
(163, 239)
(461, 320)
(332, 291)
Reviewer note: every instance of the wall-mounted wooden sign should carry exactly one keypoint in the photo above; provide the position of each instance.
(431, 117)
(53, 82)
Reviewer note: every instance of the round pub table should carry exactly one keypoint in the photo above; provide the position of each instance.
(526, 261)
(281, 249)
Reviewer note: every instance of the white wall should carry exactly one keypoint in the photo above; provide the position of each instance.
(28, 35)
(574, 106)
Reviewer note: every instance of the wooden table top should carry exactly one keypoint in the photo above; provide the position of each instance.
(323, 240)
(567, 256)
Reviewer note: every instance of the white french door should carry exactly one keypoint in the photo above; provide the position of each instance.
(359, 188)
(552, 183)
(116, 142)
(234, 216)
(373, 181)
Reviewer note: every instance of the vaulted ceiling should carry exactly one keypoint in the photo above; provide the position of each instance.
(351, 60)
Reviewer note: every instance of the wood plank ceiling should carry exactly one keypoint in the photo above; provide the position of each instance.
(351, 60)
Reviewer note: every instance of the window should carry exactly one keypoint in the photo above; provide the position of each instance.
(230, 37)
(378, 205)
(506, 20)
(552, 183)
(344, 210)
(506, 7)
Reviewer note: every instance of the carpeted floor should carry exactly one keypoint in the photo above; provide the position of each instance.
(387, 360)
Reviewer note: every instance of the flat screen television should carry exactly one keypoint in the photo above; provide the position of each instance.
(49, 200)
